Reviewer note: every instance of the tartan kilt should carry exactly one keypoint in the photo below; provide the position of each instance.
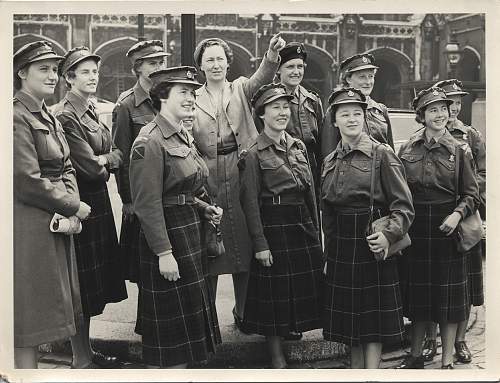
(100, 269)
(475, 274)
(286, 296)
(362, 297)
(178, 319)
(129, 247)
(437, 272)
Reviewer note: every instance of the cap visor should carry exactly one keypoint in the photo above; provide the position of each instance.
(447, 100)
(457, 93)
(196, 83)
(89, 57)
(289, 97)
(362, 67)
(156, 54)
(350, 102)
(47, 56)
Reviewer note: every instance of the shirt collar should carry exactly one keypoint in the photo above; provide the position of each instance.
(364, 145)
(372, 104)
(30, 102)
(80, 104)
(264, 141)
(457, 125)
(140, 94)
(168, 129)
(446, 140)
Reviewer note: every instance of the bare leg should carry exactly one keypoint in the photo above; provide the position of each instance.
(462, 328)
(26, 357)
(448, 334)
(417, 337)
(357, 357)
(80, 344)
(240, 284)
(431, 330)
(372, 354)
(275, 345)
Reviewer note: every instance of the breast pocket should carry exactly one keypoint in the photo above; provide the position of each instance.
(445, 168)
(46, 145)
(182, 162)
(303, 167)
(274, 173)
(138, 121)
(413, 164)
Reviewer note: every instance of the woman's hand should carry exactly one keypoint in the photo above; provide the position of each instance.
(168, 266)
(378, 242)
(214, 214)
(102, 160)
(265, 258)
(275, 45)
(450, 223)
(83, 211)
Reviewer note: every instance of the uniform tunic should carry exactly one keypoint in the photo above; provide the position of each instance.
(437, 272)
(223, 178)
(46, 292)
(286, 296)
(377, 125)
(133, 110)
(470, 136)
(179, 320)
(362, 299)
(100, 268)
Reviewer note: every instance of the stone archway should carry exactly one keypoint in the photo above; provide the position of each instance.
(395, 68)
(116, 69)
(242, 62)
(469, 66)
(318, 75)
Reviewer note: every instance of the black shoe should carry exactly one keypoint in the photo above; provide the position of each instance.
(412, 362)
(430, 350)
(463, 352)
(239, 323)
(448, 367)
(293, 335)
(105, 361)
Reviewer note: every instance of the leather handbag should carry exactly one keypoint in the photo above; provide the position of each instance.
(213, 240)
(380, 224)
(470, 229)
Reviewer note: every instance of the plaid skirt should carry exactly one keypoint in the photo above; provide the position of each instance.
(362, 298)
(475, 274)
(129, 247)
(286, 296)
(97, 253)
(178, 319)
(437, 288)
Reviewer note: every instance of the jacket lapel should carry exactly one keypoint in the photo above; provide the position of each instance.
(203, 101)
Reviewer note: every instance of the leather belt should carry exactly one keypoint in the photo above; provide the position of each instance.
(284, 199)
(226, 150)
(180, 199)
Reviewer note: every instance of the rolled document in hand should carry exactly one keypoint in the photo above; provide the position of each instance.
(61, 224)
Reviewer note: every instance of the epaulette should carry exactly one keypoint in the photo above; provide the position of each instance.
(124, 95)
(242, 159)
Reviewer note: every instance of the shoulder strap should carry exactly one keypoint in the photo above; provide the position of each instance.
(372, 178)
(457, 171)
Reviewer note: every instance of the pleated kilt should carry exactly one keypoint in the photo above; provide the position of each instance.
(129, 247)
(100, 269)
(437, 272)
(286, 296)
(362, 298)
(475, 274)
(178, 319)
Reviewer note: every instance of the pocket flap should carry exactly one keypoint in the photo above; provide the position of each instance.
(411, 157)
(271, 163)
(179, 151)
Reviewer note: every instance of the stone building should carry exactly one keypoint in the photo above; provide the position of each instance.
(409, 48)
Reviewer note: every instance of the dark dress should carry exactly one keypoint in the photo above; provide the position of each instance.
(362, 299)
(100, 269)
(178, 319)
(437, 286)
(286, 296)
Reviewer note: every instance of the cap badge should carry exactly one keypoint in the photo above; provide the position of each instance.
(455, 86)
(350, 93)
(299, 50)
(435, 93)
(364, 59)
(189, 74)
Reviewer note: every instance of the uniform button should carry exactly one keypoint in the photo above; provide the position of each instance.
(429, 163)
(237, 134)
(341, 173)
(344, 162)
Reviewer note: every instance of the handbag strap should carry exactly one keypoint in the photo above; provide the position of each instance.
(457, 171)
(372, 180)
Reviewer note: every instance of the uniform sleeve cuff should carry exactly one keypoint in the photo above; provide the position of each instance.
(260, 244)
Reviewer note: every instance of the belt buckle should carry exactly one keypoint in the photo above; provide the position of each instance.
(279, 200)
(181, 199)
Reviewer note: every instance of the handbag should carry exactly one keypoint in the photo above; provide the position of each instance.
(213, 240)
(380, 224)
(470, 229)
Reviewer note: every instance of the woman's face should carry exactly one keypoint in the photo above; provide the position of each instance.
(180, 102)
(86, 78)
(362, 80)
(436, 116)
(214, 63)
(455, 107)
(277, 114)
(40, 78)
(349, 118)
(292, 72)
(149, 66)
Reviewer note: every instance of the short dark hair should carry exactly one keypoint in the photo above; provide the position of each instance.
(135, 67)
(159, 92)
(18, 82)
(70, 73)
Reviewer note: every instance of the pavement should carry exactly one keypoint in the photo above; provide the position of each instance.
(112, 332)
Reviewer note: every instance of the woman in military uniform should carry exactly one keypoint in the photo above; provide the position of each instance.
(470, 136)
(359, 72)
(47, 303)
(437, 278)
(222, 129)
(167, 174)
(278, 199)
(100, 267)
(363, 307)
(133, 110)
